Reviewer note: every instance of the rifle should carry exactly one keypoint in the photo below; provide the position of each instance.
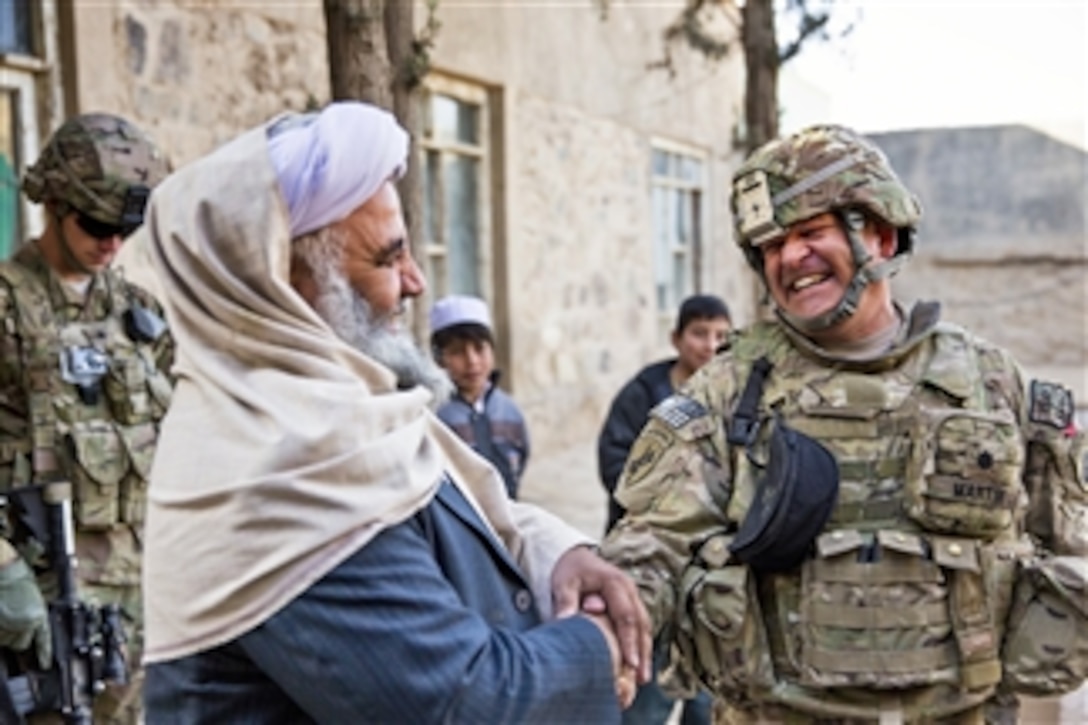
(88, 640)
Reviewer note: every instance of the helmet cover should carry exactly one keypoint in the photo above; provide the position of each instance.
(100, 165)
(814, 171)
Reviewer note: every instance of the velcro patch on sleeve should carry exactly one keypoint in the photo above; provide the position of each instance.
(1050, 404)
(677, 411)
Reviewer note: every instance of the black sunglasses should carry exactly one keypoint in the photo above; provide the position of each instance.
(102, 230)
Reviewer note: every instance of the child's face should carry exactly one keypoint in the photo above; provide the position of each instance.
(469, 364)
(696, 344)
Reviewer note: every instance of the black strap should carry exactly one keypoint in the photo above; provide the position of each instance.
(745, 418)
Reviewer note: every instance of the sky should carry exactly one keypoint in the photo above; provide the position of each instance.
(929, 63)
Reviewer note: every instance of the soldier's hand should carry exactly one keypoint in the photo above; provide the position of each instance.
(623, 675)
(24, 618)
(582, 581)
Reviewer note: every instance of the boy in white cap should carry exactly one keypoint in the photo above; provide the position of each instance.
(478, 411)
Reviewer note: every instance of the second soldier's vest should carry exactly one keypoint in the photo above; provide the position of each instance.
(93, 396)
(910, 582)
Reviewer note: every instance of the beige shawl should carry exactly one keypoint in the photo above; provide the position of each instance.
(284, 450)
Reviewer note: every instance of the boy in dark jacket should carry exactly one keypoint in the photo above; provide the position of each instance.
(701, 329)
(478, 411)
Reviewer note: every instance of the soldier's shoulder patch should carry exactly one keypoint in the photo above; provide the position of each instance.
(1050, 404)
(649, 448)
(676, 411)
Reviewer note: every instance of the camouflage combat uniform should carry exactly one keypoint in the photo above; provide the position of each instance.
(100, 434)
(921, 599)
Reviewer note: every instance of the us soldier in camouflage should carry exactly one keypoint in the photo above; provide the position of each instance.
(84, 357)
(949, 573)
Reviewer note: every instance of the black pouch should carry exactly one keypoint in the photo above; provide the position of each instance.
(794, 500)
(143, 325)
(794, 497)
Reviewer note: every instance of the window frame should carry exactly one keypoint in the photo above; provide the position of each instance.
(477, 95)
(700, 232)
(34, 83)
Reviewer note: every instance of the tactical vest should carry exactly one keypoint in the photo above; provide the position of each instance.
(910, 583)
(102, 437)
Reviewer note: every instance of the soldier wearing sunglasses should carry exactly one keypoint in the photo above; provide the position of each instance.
(84, 360)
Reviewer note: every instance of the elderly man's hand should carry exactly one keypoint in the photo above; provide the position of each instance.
(582, 581)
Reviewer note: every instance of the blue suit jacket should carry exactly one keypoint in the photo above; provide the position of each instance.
(431, 622)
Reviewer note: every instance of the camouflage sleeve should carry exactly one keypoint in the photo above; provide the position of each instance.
(9, 347)
(1054, 456)
(1054, 470)
(674, 487)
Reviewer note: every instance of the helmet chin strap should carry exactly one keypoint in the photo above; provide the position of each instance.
(853, 222)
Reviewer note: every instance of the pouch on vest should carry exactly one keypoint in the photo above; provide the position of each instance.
(719, 627)
(875, 621)
(965, 472)
(99, 463)
(794, 500)
(1046, 646)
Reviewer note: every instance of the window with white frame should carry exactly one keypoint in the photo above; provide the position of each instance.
(456, 199)
(22, 64)
(677, 185)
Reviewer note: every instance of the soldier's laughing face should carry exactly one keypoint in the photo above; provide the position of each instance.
(809, 269)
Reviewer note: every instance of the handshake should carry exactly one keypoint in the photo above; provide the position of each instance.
(584, 584)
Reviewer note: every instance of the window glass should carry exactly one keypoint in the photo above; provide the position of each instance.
(15, 27)
(683, 217)
(462, 203)
(676, 190)
(455, 197)
(660, 163)
(10, 226)
(453, 120)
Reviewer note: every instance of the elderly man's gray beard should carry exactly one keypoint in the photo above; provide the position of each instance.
(352, 319)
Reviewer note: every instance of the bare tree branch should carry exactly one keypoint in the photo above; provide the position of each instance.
(809, 26)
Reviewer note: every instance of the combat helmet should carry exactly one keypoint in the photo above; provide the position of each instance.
(100, 165)
(823, 169)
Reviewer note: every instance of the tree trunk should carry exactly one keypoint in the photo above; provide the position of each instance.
(407, 100)
(359, 63)
(761, 60)
(371, 46)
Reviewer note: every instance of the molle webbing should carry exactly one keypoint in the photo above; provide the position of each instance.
(39, 356)
(896, 662)
(872, 513)
(40, 351)
(871, 593)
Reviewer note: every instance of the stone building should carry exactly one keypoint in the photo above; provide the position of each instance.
(577, 188)
(1003, 242)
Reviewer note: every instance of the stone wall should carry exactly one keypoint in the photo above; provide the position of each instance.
(1003, 242)
(195, 74)
(582, 314)
(581, 108)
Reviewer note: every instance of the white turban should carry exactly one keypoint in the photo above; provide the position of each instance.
(331, 162)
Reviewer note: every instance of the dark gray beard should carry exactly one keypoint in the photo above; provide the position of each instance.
(352, 319)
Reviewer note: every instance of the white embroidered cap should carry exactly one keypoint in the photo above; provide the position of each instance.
(459, 310)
